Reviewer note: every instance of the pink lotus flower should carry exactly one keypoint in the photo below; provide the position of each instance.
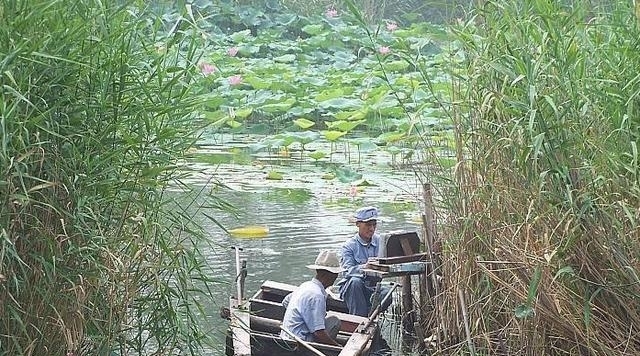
(384, 50)
(331, 12)
(353, 191)
(392, 26)
(235, 79)
(207, 68)
(232, 51)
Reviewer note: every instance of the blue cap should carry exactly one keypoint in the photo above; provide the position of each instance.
(367, 213)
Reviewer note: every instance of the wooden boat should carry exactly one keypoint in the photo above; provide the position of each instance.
(254, 328)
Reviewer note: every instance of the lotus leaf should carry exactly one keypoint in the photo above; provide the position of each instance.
(285, 86)
(264, 96)
(250, 231)
(394, 150)
(316, 155)
(346, 175)
(247, 51)
(333, 135)
(364, 144)
(233, 123)
(274, 175)
(388, 137)
(392, 111)
(287, 58)
(215, 102)
(341, 103)
(300, 110)
(420, 95)
(351, 115)
(240, 36)
(447, 162)
(363, 183)
(313, 29)
(343, 125)
(396, 66)
(304, 123)
(242, 113)
(218, 117)
(319, 41)
(315, 81)
(256, 82)
(329, 94)
(282, 140)
(303, 137)
(407, 82)
(280, 107)
(286, 19)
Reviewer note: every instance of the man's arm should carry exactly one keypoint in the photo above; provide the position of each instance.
(348, 259)
(321, 336)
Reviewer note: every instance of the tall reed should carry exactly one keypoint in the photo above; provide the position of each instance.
(542, 235)
(95, 114)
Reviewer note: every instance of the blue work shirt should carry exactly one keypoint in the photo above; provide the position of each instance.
(306, 310)
(356, 252)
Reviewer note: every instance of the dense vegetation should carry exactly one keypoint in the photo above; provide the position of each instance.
(95, 112)
(542, 241)
(327, 76)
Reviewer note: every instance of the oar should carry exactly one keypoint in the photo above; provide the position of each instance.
(304, 343)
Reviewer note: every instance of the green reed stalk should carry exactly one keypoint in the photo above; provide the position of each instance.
(95, 114)
(544, 232)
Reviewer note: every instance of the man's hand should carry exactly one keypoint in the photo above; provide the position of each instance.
(370, 261)
(322, 337)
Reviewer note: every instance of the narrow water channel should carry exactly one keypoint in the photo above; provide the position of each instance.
(303, 213)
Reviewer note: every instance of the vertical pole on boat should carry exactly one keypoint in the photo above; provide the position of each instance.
(239, 271)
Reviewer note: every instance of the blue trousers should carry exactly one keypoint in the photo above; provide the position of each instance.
(356, 292)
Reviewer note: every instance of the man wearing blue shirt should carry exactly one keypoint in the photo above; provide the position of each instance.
(306, 307)
(356, 288)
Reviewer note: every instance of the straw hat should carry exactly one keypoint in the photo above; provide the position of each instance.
(328, 261)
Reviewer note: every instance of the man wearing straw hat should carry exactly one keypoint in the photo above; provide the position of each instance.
(356, 289)
(306, 313)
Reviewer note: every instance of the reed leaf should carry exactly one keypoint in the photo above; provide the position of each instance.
(95, 257)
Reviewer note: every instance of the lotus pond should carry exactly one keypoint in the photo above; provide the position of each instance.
(309, 118)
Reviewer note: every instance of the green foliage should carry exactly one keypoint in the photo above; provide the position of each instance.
(96, 110)
(546, 184)
(319, 67)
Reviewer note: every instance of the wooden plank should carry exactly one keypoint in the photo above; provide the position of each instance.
(407, 307)
(378, 266)
(394, 246)
(406, 246)
(402, 259)
(266, 309)
(356, 344)
(272, 345)
(380, 274)
(277, 288)
(349, 322)
(239, 327)
(282, 289)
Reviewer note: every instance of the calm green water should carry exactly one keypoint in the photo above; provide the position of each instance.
(303, 212)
